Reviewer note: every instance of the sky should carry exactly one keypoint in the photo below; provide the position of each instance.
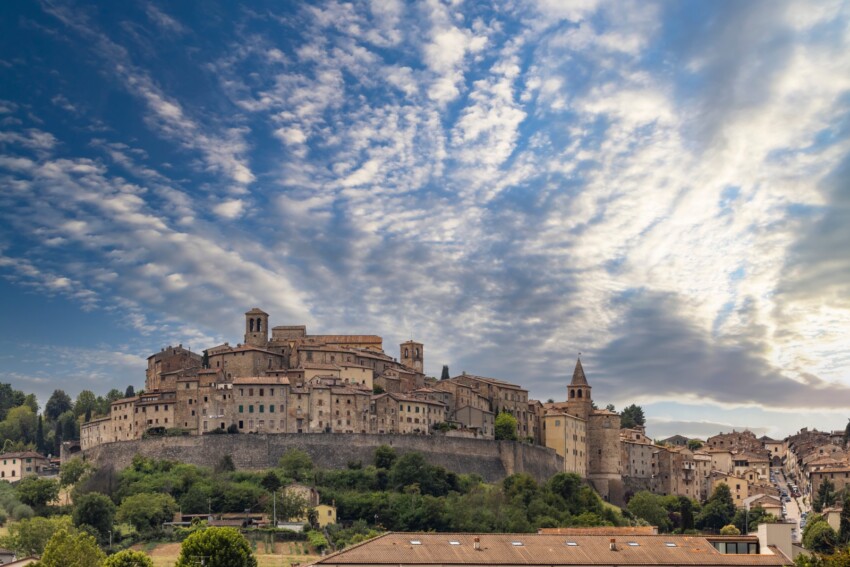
(663, 187)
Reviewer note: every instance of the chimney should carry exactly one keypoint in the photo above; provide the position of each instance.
(476, 543)
(613, 544)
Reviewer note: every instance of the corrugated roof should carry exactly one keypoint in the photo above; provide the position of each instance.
(540, 549)
(601, 531)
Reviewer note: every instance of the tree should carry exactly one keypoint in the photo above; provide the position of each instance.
(98, 511)
(72, 549)
(39, 437)
(820, 538)
(844, 523)
(220, 547)
(72, 471)
(385, 456)
(31, 402)
(20, 425)
(128, 558)
(445, 374)
(846, 437)
(37, 492)
(86, 402)
(296, 464)
(686, 509)
(69, 425)
(271, 481)
(9, 398)
(505, 427)
(147, 512)
(632, 416)
(694, 444)
(648, 506)
(730, 529)
(129, 392)
(825, 496)
(205, 362)
(610, 407)
(30, 535)
(292, 505)
(718, 511)
(59, 403)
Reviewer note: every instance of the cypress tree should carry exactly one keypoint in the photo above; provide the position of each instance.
(39, 436)
(445, 374)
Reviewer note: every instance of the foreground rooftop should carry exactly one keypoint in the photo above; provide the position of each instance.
(549, 549)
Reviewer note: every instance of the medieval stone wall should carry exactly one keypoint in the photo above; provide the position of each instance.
(490, 459)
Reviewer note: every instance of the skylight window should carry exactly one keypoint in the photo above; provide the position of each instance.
(454, 542)
(572, 544)
(415, 542)
(634, 544)
(669, 544)
(516, 543)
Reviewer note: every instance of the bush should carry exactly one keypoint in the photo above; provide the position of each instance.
(224, 547)
(128, 558)
(317, 540)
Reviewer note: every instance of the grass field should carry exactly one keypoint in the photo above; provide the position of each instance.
(282, 555)
(4, 531)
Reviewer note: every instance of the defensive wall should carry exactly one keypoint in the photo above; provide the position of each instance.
(493, 460)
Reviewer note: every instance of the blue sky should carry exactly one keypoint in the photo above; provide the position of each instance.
(661, 186)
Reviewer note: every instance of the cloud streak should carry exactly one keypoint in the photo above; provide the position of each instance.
(662, 192)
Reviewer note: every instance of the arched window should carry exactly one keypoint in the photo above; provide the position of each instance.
(406, 353)
(572, 393)
(579, 393)
(259, 325)
(251, 325)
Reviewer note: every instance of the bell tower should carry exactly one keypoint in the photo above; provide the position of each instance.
(413, 355)
(579, 402)
(256, 327)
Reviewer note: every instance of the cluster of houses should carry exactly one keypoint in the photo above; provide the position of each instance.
(694, 468)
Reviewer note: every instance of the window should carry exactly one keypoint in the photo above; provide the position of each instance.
(271, 408)
(670, 544)
(572, 544)
(261, 391)
(241, 409)
(516, 543)
(251, 408)
(262, 408)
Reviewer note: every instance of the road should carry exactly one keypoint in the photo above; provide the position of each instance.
(795, 508)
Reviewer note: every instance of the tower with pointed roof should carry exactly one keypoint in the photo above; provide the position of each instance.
(579, 402)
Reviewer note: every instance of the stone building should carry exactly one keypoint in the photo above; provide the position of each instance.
(604, 470)
(501, 396)
(169, 361)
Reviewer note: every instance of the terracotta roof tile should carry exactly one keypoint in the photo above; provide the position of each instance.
(541, 549)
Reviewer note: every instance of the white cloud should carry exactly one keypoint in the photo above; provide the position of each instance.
(230, 209)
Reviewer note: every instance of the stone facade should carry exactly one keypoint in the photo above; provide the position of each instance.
(603, 465)
(490, 459)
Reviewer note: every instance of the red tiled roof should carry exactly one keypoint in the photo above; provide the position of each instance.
(448, 549)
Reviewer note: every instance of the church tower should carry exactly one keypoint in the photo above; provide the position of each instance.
(413, 355)
(579, 402)
(257, 328)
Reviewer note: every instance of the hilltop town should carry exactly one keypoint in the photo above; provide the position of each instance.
(283, 380)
